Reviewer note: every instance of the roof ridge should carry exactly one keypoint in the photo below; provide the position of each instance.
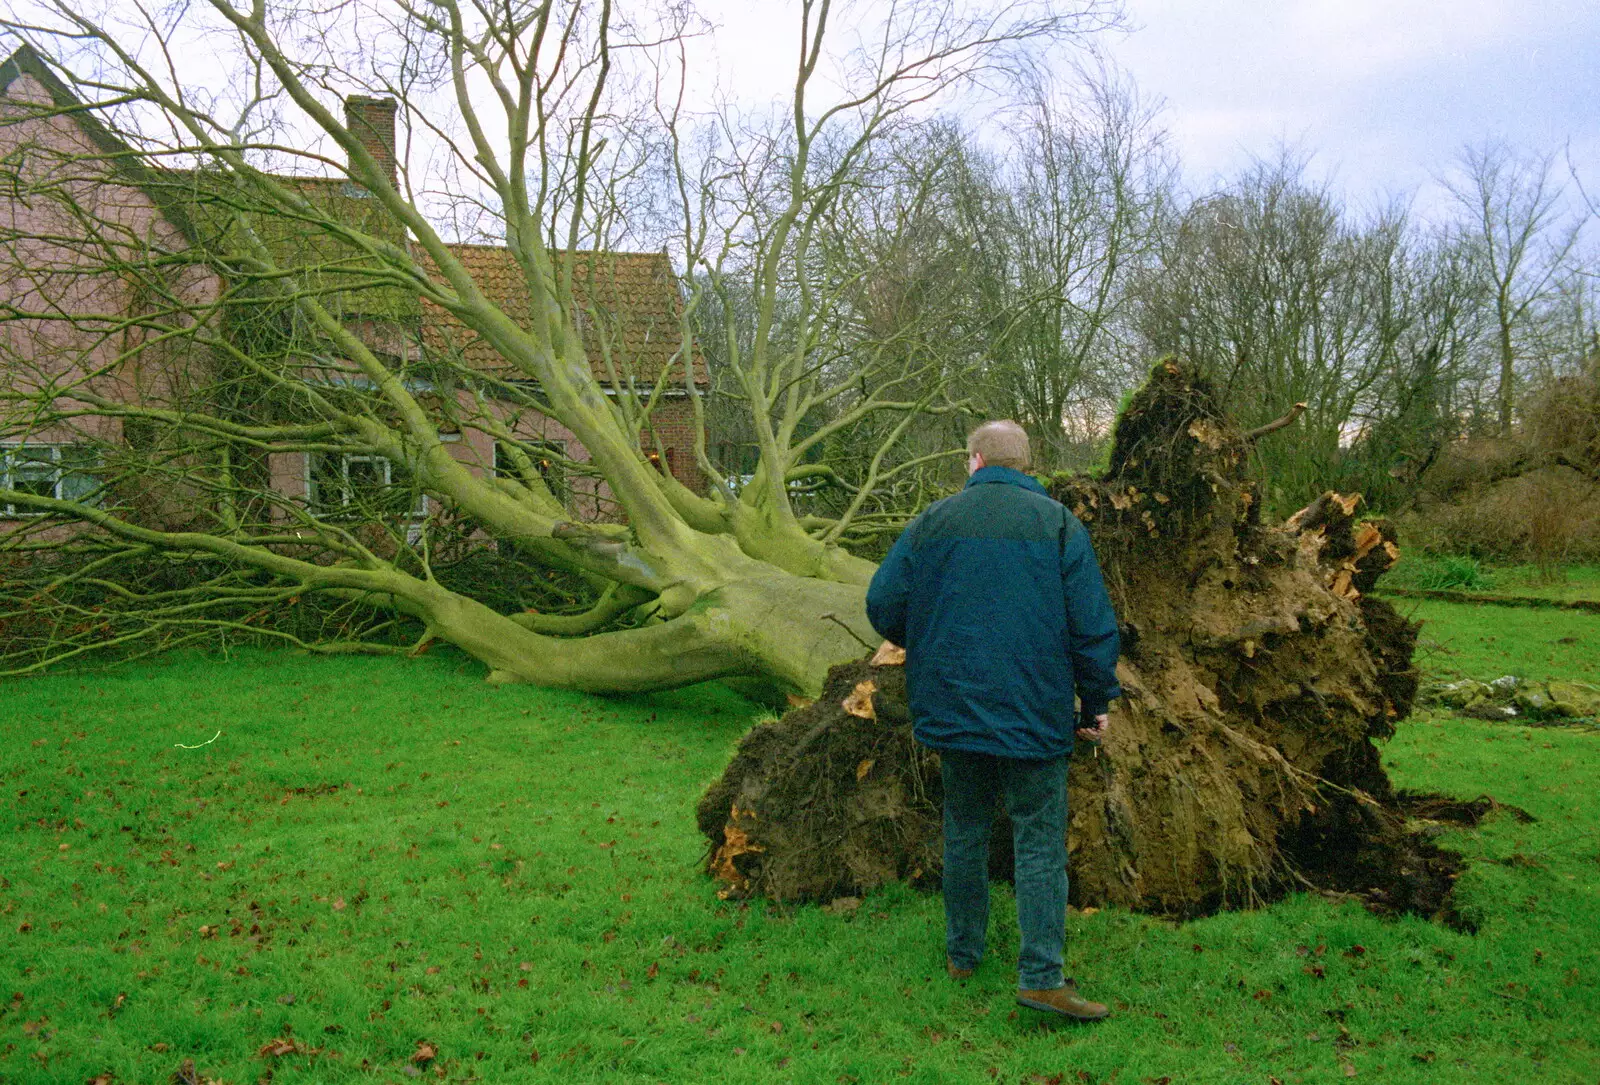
(501, 246)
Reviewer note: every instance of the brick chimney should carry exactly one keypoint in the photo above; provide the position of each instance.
(371, 120)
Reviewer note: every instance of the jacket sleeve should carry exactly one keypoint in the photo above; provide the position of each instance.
(1092, 639)
(890, 591)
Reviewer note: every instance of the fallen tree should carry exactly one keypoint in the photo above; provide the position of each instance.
(1241, 763)
(315, 390)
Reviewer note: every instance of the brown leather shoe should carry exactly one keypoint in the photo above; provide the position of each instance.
(1064, 1000)
(956, 973)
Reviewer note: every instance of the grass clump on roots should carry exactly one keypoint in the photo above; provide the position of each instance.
(379, 858)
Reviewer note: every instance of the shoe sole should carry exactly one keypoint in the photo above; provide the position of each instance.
(1045, 1007)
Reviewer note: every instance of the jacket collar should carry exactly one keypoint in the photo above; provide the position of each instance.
(1008, 475)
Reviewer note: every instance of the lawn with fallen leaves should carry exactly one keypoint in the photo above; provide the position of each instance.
(388, 871)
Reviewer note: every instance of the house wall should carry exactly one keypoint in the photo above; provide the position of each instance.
(674, 424)
(78, 193)
(587, 497)
(68, 190)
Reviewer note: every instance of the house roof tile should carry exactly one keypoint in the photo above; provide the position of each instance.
(628, 313)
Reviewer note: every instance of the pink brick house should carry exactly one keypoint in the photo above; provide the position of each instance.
(70, 177)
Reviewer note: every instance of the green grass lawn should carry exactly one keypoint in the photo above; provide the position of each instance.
(380, 853)
(1570, 582)
(1485, 641)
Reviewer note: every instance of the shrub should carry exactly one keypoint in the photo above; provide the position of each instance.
(1548, 516)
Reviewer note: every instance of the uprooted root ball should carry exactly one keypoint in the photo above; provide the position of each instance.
(1240, 763)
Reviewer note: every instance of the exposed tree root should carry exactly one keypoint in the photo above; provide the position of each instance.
(1241, 762)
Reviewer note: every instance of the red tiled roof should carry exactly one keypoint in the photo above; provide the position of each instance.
(628, 302)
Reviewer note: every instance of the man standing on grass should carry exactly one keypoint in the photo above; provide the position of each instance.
(997, 598)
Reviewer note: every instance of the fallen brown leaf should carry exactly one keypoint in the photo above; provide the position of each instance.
(859, 703)
(864, 768)
(425, 1053)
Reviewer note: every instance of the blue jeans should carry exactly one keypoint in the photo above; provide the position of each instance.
(1036, 799)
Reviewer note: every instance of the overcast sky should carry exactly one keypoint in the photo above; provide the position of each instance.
(1382, 93)
(1385, 92)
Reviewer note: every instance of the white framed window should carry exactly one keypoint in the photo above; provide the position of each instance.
(355, 486)
(65, 472)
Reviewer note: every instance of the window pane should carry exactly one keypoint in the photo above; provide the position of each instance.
(34, 471)
(377, 489)
(78, 479)
(367, 474)
(546, 458)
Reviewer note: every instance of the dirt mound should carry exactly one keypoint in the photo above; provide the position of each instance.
(1239, 765)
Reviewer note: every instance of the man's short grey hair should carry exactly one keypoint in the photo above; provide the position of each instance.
(1001, 443)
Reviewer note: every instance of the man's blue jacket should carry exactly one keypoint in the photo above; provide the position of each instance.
(996, 597)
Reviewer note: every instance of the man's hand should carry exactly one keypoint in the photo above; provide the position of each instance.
(1098, 731)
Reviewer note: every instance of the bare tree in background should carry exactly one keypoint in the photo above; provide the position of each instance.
(1512, 207)
(1079, 218)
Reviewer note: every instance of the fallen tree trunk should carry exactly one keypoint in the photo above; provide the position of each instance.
(1241, 762)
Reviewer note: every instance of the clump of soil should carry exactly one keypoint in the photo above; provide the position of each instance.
(1239, 764)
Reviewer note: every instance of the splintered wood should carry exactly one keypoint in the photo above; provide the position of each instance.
(888, 655)
(735, 842)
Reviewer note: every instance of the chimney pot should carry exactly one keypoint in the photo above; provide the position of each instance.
(371, 120)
